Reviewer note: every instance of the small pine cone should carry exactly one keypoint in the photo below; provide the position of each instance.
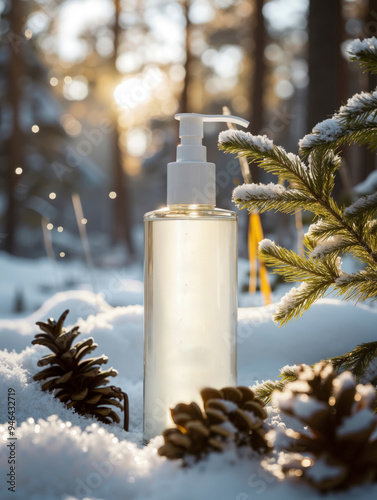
(77, 382)
(336, 450)
(231, 415)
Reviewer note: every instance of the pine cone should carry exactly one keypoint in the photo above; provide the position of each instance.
(337, 451)
(77, 382)
(232, 414)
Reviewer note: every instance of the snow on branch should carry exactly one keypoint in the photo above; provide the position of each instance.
(333, 244)
(323, 228)
(244, 139)
(361, 285)
(360, 110)
(274, 159)
(294, 303)
(266, 245)
(364, 205)
(345, 279)
(326, 247)
(247, 191)
(316, 228)
(272, 197)
(365, 102)
(365, 53)
(358, 46)
(325, 132)
(290, 303)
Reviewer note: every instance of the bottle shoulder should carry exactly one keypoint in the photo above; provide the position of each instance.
(191, 212)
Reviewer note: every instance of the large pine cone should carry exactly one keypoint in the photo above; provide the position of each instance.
(231, 415)
(337, 450)
(77, 382)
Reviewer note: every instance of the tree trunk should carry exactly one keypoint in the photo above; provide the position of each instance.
(122, 203)
(256, 93)
(256, 97)
(324, 59)
(15, 145)
(369, 163)
(185, 104)
(258, 36)
(326, 73)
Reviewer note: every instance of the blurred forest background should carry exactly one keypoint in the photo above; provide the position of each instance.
(89, 89)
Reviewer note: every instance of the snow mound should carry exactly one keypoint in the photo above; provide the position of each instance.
(81, 304)
(64, 456)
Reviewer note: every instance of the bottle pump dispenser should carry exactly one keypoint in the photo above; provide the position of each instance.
(191, 179)
(190, 297)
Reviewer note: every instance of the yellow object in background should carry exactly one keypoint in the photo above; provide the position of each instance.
(255, 236)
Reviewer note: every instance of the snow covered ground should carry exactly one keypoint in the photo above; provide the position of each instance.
(61, 455)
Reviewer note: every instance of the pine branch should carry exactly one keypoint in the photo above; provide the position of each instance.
(338, 245)
(337, 231)
(369, 233)
(317, 274)
(322, 166)
(287, 374)
(321, 139)
(364, 251)
(272, 197)
(298, 300)
(273, 159)
(276, 160)
(292, 266)
(356, 360)
(365, 53)
(265, 390)
(326, 135)
(358, 286)
(354, 122)
(371, 227)
(366, 206)
(324, 228)
(359, 108)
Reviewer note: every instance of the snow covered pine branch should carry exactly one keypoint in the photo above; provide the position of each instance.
(335, 230)
(355, 121)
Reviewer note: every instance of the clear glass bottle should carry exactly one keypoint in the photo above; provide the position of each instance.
(190, 306)
(190, 276)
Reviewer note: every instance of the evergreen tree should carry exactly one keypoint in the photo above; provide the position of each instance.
(33, 155)
(337, 230)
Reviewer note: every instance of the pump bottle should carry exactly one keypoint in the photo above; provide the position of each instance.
(190, 279)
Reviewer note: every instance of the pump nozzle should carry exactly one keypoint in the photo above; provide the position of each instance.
(191, 179)
(192, 123)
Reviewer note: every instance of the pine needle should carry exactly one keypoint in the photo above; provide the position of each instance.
(264, 391)
(356, 360)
